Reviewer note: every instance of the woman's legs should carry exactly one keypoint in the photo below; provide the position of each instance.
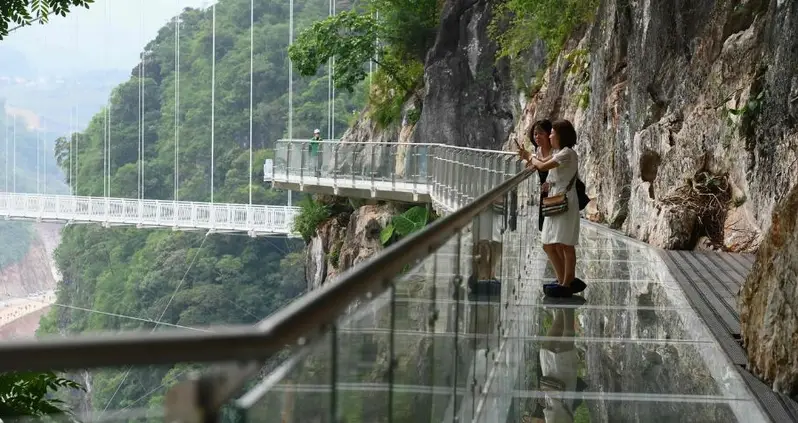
(568, 254)
(552, 251)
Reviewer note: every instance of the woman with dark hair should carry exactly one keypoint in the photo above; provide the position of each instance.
(539, 136)
(560, 233)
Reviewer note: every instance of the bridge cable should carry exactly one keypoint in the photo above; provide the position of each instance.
(107, 313)
(178, 19)
(14, 157)
(332, 85)
(108, 151)
(105, 111)
(5, 124)
(77, 115)
(290, 83)
(38, 127)
(251, 90)
(43, 123)
(142, 58)
(329, 82)
(213, 98)
(158, 320)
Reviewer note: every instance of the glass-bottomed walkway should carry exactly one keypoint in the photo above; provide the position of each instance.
(448, 325)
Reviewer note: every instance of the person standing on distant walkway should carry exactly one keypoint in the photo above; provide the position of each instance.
(314, 148)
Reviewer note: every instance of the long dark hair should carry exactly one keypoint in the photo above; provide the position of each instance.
(544, 125)
(566, 132)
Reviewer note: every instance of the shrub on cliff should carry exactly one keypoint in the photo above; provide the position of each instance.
(311, 214)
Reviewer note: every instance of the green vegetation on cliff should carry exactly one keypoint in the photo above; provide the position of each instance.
(185, 278)
(518, 24)
(395, 34)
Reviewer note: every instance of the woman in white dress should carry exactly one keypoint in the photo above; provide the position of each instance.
(560, 233)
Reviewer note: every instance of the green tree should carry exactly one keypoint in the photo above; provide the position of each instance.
(27, 12)
(402, 35)
(29, 394)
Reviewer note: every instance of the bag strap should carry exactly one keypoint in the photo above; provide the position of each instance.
(573, 180)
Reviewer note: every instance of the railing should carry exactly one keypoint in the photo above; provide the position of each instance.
(252, 219)
(449, 324)
(355, 343)
(432, 170)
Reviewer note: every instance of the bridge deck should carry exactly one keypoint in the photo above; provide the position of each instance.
(254, 219)
(711, 282)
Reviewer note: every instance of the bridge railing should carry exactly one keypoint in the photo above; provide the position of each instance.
(437, 170)
(255, 219)
(406, 334)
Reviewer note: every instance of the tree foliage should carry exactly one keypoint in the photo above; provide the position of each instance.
(397, 42)
(552, 21)
(27, 12)
(28, 394)
(349, 37)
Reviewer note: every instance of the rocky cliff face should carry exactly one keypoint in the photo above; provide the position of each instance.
(687, 114)
(468, 98)
(36, 271)
(769, 324)
(344, 241)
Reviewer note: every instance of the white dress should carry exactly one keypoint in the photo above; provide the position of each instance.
(564, 227)
(563, 367)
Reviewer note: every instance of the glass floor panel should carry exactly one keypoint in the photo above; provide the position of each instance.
(434, 348)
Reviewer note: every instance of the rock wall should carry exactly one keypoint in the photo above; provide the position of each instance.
(687, 114)
(468, 98)
(345, 240)
(36, 271)
(769, 323)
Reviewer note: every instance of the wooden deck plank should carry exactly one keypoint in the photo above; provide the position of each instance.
(705, 283)
(703, 309)
(711, 282)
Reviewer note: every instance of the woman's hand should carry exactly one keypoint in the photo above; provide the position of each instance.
(525, 155)
(545, 187)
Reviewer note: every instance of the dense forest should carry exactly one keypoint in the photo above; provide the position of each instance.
(185, 278)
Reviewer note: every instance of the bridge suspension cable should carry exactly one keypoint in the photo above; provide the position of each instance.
(77, 115)
(14, 157)
(107, 115)
(142, 59)
(251, 85)
(177, 100)
(213, 91)
(5, 124)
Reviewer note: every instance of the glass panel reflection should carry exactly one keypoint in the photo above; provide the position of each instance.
(467, 335)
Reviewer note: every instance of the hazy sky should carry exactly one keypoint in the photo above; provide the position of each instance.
(109, 35)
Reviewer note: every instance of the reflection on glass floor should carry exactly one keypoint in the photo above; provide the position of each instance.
(431, 349)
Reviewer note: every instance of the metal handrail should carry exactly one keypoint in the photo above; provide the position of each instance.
(411, 144)
(300, 320)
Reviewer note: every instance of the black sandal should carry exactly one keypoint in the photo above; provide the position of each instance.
(558, 291)
(577, 286)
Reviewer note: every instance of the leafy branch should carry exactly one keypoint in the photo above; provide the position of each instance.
(412, 220)
(27, 12)
(29, 394)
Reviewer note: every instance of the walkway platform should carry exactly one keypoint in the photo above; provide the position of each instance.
(711, 282)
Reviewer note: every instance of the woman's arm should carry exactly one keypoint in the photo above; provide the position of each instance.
(545, 164)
